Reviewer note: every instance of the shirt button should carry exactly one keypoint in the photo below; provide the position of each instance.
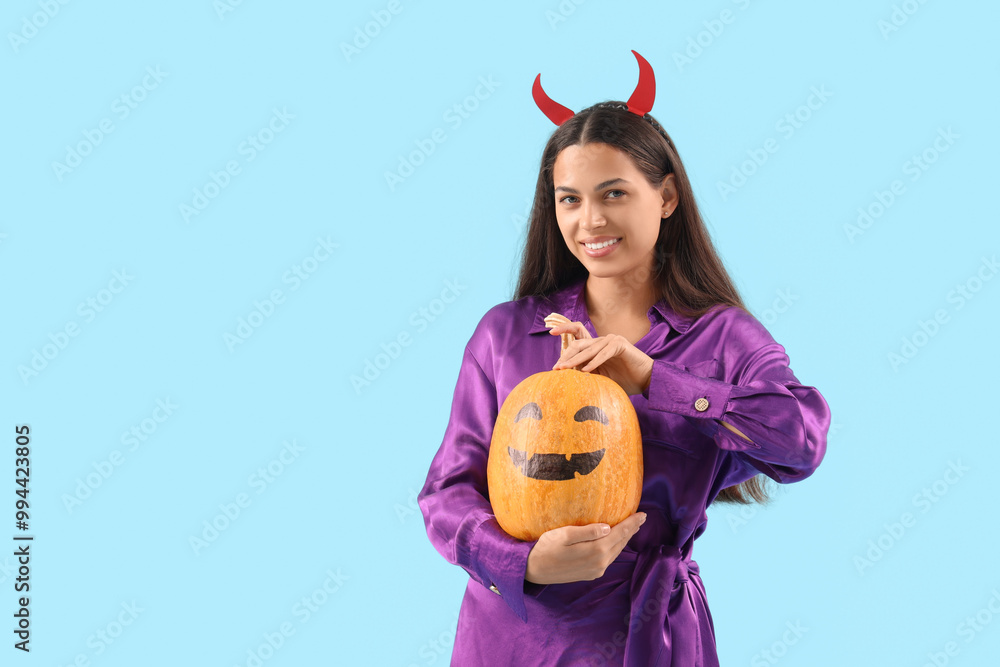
(495, 589)
(701, 404)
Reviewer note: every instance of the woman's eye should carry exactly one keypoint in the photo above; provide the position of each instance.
(567, 197)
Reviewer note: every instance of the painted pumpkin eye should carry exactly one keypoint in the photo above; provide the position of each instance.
(590, 412)
(530, 410)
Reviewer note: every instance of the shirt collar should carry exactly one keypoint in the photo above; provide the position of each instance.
(571, 302)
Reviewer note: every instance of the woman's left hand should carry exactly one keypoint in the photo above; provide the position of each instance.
(612, 356)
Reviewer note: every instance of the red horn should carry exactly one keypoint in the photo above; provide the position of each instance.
(556, 112)
(645, 91)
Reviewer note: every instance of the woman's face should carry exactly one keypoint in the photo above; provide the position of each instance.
(607, 212)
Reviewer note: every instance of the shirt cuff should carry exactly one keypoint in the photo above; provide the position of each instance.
(673, 388)
(501, 562)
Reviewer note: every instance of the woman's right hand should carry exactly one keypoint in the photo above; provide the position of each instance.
(578, 553)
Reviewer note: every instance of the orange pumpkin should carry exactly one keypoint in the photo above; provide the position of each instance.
(566, 450)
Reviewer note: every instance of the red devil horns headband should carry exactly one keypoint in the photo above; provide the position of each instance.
(639, 103)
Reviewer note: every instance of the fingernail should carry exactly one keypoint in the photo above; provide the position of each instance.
(605, 530)
(643, 519)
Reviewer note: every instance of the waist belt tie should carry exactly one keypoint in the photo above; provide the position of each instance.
(650, 639)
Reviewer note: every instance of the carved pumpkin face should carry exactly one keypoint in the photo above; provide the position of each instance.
(566, 450)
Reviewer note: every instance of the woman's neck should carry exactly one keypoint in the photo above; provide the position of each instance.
(619, 298)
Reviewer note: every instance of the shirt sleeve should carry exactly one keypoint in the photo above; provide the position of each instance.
(786, 422)
(454, 499)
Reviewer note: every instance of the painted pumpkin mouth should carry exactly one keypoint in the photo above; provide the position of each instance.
(555, 467)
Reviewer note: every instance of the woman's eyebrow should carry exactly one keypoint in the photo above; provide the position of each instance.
(599, 186)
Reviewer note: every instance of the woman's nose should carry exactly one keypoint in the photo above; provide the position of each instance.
(591, 216)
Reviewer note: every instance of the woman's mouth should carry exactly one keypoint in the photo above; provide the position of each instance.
(601, 249)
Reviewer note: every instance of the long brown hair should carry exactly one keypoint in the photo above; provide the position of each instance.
(687, 271)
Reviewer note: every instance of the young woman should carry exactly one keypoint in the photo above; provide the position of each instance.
(617, 245)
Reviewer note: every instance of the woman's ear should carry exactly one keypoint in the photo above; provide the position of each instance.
(670, 196)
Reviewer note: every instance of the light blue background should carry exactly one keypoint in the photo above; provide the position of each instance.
(346, 502)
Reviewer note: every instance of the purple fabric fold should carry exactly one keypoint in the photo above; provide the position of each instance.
(668, 613)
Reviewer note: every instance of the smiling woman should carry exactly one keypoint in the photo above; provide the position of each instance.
(617, 245)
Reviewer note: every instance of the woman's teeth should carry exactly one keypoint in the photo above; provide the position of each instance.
(597, 246)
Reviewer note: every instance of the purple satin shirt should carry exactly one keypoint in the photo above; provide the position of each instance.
(649, 607)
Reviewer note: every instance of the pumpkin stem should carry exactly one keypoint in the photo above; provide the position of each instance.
(553, 320)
